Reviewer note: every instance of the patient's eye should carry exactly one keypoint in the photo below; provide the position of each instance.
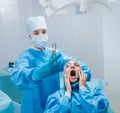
(76, 64)
(67, 66)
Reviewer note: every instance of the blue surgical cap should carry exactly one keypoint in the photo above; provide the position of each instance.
(34, 23)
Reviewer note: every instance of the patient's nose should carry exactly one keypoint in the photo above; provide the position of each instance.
(72, 66)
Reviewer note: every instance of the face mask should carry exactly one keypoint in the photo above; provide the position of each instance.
(39, 41)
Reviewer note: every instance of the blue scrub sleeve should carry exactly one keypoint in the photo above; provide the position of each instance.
(21, 74)
(57, 104)
(25, 74)
(95, 100)
(47, 69)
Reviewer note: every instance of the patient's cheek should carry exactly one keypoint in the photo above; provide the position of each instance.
(67, 72)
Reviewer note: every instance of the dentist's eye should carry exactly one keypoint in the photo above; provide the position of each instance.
(44, 32)
(36, 33)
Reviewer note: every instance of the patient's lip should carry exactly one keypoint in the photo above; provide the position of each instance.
(73, 73)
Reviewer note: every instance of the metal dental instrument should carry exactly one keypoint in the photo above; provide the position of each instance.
(54, 46)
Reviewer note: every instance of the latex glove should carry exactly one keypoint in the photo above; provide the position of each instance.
(47, 69)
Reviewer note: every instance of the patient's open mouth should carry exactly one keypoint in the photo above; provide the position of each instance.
(73, 73)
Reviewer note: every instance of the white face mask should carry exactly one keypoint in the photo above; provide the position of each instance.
(39, 41)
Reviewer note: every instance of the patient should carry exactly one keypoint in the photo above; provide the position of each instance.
(76, 96)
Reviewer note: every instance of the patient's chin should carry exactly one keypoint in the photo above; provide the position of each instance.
(73, 80)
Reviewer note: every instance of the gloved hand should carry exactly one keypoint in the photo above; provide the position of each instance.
(47, 69)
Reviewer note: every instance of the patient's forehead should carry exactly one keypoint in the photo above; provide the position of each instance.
(72, 62)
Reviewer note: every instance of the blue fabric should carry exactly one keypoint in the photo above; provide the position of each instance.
(36, 92)
(7, 105)
(49, 68)
(84, 100)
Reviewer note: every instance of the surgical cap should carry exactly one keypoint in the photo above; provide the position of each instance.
(34, 23)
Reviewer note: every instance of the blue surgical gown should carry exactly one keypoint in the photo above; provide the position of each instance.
(83, 100)
(35, 93)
